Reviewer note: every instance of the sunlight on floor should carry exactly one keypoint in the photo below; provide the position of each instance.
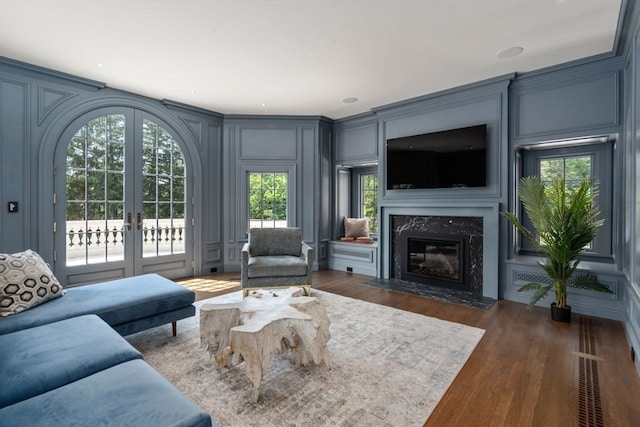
(205, 284)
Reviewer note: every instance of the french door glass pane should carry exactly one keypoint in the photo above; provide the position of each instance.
(95, 192)
(164, 192)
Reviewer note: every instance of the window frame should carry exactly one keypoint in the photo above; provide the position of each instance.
(357, 192)
(243, 179)
(601, 153)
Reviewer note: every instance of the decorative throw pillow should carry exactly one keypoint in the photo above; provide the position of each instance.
(356, 227)
(25, 281)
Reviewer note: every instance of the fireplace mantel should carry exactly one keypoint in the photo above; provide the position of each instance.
(489, 212)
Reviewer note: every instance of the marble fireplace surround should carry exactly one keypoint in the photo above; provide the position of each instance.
(463, 232)
(490, 236)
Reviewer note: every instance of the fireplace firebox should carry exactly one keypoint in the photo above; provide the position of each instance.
(439, 260)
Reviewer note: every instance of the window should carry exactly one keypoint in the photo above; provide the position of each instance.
(572, 169)
(575, 163)
(95, 192)
(267, 199)
(105, 181)
(369, 200)
(364, 195)
(163, 192)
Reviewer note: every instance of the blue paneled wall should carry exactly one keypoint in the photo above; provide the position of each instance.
(628, 209)
(597, 96)
(37, 106)
(299, 146)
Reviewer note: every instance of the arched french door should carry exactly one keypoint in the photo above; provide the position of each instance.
(123, 199)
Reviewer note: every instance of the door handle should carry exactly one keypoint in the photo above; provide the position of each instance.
(139, 221)
(129, 221)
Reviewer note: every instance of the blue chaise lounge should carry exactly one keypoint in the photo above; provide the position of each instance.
(128, 305)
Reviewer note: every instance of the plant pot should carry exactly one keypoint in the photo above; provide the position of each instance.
(560, 314)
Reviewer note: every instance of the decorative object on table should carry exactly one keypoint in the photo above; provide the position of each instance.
(263, 325)
(564, 222)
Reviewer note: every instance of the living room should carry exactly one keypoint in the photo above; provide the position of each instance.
(587, 105)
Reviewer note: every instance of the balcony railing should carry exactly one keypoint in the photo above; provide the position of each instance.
(90, 242)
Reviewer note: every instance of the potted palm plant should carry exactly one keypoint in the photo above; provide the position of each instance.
(564, 222)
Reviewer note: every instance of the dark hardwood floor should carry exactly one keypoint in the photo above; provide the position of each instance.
(526, 370)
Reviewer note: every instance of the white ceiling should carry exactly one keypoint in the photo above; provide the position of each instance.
(300, 57)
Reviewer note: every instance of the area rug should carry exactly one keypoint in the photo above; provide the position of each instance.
(388, 368)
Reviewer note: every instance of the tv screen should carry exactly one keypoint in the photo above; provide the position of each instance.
(446, 159)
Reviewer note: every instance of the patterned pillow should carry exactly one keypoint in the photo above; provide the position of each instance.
(25, 281)
(356, 227)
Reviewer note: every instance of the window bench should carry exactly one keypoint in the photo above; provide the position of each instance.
(360, 258)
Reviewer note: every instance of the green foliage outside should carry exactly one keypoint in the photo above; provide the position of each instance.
(95, 172)
(369, 188)
(268, 196)
(573, 170)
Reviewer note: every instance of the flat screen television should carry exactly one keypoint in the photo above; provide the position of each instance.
(446, 159)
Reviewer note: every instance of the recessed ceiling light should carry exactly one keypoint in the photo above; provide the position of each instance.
(264, 104)
(350, 100)
(510, 52)
(99, 64)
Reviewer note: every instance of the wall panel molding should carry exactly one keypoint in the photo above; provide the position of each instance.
(49, 99)
(356, 143)
(196, 128)
(261, 144)
(586, 104)
(15, 157)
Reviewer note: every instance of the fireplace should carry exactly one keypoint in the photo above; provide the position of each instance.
(443, 251)
(439, 259)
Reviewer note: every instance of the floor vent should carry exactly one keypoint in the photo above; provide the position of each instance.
(589, 402)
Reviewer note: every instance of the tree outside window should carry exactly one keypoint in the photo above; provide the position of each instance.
(95, 182)
(369, 200)
(267, 199)
(572, 169)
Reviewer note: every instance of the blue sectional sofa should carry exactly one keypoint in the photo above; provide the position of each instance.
(65, 363)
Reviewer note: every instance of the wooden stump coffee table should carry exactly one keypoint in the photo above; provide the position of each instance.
(263, 324)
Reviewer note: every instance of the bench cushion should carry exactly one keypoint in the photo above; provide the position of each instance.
(129, 394)
(46, 357)
(116, 302)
